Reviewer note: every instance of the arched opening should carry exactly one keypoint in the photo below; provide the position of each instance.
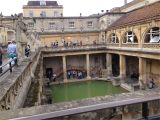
(152, 35)
(130, 37)
(113, 38)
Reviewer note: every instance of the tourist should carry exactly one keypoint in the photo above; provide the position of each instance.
(56, 44)
(11, 50)
(52, 45)
(54, 77)
(49, 75)
(27, 50)
(151, 84)
(69, 74)
(1, 61)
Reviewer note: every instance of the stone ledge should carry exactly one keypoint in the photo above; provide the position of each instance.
(84, 105)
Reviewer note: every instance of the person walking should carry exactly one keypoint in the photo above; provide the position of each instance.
(11, 50)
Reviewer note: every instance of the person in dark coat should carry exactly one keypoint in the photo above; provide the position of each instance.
(1, 61)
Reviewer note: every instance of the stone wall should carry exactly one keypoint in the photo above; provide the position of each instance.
(15, 86)
(123, 105)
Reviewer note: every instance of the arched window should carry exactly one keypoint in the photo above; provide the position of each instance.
(130, 37)
(153, 35)
(114, 38)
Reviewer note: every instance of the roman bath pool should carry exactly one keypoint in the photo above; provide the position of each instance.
(86, 89)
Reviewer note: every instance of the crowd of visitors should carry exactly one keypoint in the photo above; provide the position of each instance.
(76, 74)
(55, 44)
(51, 76)
(66, 44)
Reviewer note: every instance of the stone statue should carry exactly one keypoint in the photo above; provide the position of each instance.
(21, 39)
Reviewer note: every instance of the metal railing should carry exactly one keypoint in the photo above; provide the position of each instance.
(9, 68)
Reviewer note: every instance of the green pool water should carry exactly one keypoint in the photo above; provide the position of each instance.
(80, 90)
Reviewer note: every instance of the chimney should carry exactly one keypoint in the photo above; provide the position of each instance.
(125, 2)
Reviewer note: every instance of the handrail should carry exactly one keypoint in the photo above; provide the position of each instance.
(10, 66)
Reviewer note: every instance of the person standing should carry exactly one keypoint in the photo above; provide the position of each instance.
(11, 50)
(1, 61)
(27, 50)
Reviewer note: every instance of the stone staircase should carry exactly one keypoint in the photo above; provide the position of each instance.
(32, 96)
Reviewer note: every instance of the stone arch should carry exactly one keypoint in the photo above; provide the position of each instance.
(113, 38)
(151, 35)
(129, 37)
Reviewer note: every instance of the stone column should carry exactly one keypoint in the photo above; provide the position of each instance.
(122, 68)
(64, 68)
(109, 64)
(21, 39)
(142, 72)
(88, 66)
(40, 81)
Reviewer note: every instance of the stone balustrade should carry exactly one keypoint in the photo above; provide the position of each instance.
(131, 45)
(113, 45)
(128, 105)
(13, 87)
(151, 45)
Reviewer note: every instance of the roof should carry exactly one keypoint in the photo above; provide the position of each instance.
(37, 3)
(143, 14)
(130, 4)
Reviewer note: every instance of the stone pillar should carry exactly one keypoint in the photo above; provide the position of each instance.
(109, 64)
(21, 39)
(142, 72)
(64, 68)
(40, 81)
(88, 66)
(122, 68)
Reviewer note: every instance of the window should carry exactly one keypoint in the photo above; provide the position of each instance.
(42, 3)
(43, 14)
(71, 25)
(52, 25)
(114, 38)
(154, 35)
(90, 24)
(55, 13)
(30, 25)
(130, 37)
(30, 13)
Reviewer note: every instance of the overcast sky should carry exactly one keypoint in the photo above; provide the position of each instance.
(71, 7)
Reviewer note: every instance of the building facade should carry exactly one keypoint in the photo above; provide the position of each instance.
(42, 9)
